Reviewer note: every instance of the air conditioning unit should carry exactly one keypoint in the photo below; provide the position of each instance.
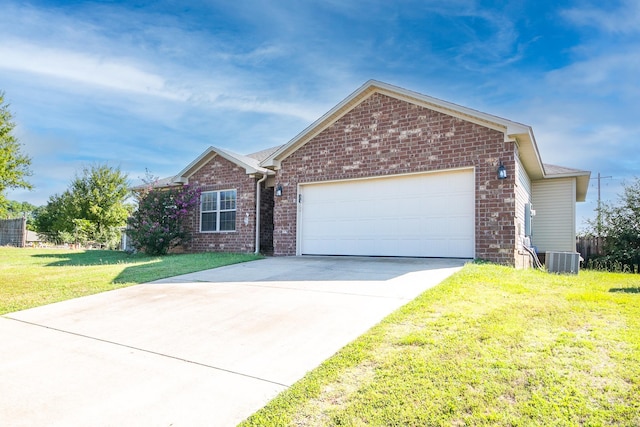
(563, 262)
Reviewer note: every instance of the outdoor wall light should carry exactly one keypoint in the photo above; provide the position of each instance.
(279, 190)
(502, 171)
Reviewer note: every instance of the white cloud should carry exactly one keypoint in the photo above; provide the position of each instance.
(92, 69)
(611, 72)
(127, 78)
(599, 146)
(623, 20)
(82, 52)
(257, 55)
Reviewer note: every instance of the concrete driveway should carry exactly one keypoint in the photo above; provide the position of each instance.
(207, 348)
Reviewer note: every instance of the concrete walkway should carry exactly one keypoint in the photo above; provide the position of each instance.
(207, 348)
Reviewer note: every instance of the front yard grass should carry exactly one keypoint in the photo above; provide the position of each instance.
(34, 277)
(491, 346)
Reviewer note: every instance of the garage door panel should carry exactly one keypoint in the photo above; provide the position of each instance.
(413, 215)
(461, 228)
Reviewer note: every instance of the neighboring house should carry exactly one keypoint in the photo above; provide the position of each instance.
(389, 172)
(33, 239)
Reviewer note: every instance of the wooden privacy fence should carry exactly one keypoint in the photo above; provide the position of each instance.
(13, 232)
(590, 246)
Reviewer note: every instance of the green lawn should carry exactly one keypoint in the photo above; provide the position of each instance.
(34, 277)
(491, 346)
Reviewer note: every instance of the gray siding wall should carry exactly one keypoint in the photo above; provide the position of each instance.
(554, 226)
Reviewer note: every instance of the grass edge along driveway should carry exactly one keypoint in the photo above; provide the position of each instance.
(490, 346)
(34, 277)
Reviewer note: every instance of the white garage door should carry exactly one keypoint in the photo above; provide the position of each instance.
(425, 215)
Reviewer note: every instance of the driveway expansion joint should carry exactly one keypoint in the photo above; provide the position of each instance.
(217, 368)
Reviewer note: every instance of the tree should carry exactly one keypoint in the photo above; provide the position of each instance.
(14, 165)
(99, 196)
(620, 226)
(92, 209)
(52, 220)
(13, 209)
(158, 223)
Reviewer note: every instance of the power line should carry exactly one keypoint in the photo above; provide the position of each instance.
(599, 220)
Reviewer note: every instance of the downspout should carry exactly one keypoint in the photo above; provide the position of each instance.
(257, 251)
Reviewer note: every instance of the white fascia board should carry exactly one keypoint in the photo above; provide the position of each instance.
(509, 128)
(243, 161)
(528, 151)
(210, 153)
(184, 174)
(314, 128)
(469, 114)
(582, 179)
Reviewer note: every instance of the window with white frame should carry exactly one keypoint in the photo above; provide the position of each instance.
(218, 210)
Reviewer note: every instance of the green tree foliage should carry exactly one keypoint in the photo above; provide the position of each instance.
(619, 224)
(14, 165)
(52, 220)
(93, 209)
(159, 222)
(13, 209)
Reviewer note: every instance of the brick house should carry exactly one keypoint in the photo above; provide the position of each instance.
(389, 172)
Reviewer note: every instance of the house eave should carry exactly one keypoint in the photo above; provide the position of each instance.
(528, 152)
(164, 183)
(582, 182)
(532, 162)
(212, 152)
(510, 129)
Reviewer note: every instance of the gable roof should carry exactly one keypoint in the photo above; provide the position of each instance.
(509, 127)
(264, 154)
(159, 183)
(582, 178)
(515, 132)
(250, 164)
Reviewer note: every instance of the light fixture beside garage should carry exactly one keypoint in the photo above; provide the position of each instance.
(502, 171)
(279, 190)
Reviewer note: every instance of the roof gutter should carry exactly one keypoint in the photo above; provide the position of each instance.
(261, 180)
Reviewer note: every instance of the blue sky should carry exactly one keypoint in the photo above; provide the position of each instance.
(151, 84)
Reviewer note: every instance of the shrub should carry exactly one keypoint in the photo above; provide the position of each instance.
(157, 225)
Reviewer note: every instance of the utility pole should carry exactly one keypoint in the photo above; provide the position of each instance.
(599, 229)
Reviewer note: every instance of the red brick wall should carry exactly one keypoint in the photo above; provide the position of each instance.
(384, 136)
(221, 174)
